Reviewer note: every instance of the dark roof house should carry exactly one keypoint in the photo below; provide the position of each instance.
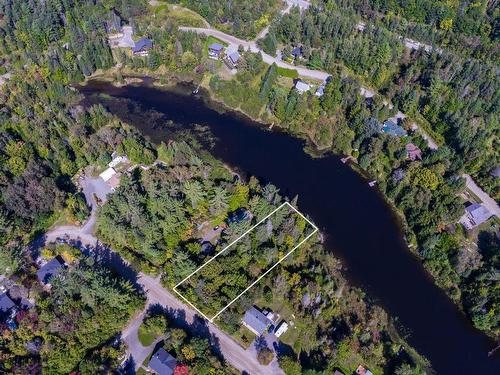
(239, 215)
(392, 128)
(49, 270)
(297, 52)
(413, 152)
(256, 321)
(142, 46)
(162, 363)
(5, 304)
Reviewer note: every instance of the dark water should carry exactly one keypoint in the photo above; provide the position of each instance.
(360, 228)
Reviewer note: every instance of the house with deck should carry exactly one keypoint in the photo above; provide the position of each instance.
(475, 215)
(142, 47)
(256, 321)
(215, 50)
(162, 363)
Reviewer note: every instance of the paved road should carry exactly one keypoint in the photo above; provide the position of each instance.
(243, 360)
(488, 202)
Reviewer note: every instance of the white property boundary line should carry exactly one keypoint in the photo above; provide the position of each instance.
(260, 277)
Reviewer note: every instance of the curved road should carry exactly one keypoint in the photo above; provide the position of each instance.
(233, 353)
(252, 46)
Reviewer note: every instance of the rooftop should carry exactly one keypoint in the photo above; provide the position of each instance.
(216, 47)
(49, 269)
(162, 362)
(142, 45)
(413, 151)
(256, 321)
(234, 56)
(302, 86)
(475, 215)
(5, 303)
(392, 128)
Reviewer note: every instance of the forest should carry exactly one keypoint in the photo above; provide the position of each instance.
(72, 327)
(238, 17)
(47, 136)
(155, 220)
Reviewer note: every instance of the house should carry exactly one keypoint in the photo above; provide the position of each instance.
(297, 52)
(475, 215)
(281, 328)
(362, 371)
(337, 372)
(413, 152)
(392, 128)
(320, 91)
(49, 270)
(107, 174)
(256, 321)
(214, 50)
(207, 248)
(241, 214)
(302, 86)
(6, 305)
(142, 46)
(162, 363)
(234, 57)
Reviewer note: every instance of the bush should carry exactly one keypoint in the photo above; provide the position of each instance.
(265, 356)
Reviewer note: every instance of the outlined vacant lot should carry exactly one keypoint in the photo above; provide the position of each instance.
(224, 278)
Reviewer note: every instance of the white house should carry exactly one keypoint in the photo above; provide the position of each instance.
(107, 174)
(302, 86)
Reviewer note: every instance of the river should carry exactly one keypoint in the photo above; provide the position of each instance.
(360, 227)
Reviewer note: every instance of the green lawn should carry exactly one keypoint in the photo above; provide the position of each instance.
(146, 338)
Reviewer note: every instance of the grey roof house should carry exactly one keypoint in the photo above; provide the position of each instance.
(49, 270)
(234, 57)
(162, 363)
(215, 49)
(6, 304)
(392, 128)
(142, 46)
(256, 321)
(475, 215)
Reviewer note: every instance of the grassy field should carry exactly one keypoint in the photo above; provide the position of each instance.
(146, 338)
